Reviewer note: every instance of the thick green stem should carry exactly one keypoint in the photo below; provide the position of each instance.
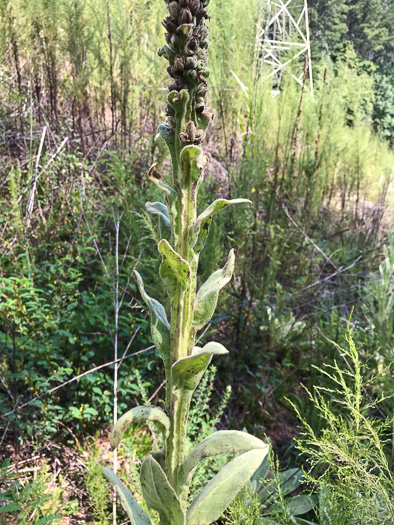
(181, 321)
(168, 388)
(176, 438)
(184, 130)
(186, 52)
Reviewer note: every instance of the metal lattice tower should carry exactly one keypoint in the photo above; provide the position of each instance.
(284, 41)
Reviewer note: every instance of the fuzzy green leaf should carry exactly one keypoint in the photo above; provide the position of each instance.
(161, 210)
(160, 327)
(159, 494)
(222, 442)
(188, 371)
(160, 457)
(169, 192)
(138, 415)
(289, 480)
(192, 163)
(179, 100)
(213, 500)
(185, 29)
(260, 474)
(200, 228)
(174, 270)
(207, 295)
(136, 514)
(168, 134)
(301, 504)
(168, 53)
(170, 196)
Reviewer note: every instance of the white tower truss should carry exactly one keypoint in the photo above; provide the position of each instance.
(284, 41)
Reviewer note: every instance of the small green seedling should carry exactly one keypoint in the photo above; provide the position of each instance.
(166, 475)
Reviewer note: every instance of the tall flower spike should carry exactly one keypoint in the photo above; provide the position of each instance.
(186, 52)
(166, 475)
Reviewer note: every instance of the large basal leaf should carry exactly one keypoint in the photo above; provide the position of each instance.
(174, 270)
(160, 327)
(200, 228)
(187, 371)
(289, 480)
(301, 521)
(213, 500)
(159, 494)
(222, 442)
(207, 295)
(260, 474)
(136, 514)
(192, 163)
(161, 210)
(301, 504)
(140, 414)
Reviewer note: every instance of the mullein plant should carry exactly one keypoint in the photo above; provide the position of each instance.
(166, 475)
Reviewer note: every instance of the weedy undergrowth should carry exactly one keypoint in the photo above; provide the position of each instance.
(272, 497)
(27, 502)
(349, 459)
(166, 475)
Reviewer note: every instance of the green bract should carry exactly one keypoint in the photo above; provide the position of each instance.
(165, 477)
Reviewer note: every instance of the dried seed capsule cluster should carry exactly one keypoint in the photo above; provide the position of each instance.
(186, 52)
